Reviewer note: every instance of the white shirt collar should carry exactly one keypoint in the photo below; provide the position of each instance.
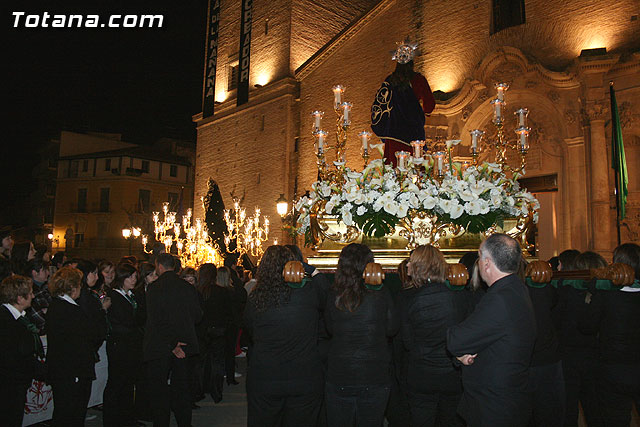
(68, 299)
(124, 293)
(14, 311)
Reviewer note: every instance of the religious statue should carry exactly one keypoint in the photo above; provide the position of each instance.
(399, 108)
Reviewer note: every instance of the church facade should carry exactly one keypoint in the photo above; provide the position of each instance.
(558, 58)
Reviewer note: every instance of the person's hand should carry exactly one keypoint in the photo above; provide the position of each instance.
(106, 303)
(178, 352)
(467, 359)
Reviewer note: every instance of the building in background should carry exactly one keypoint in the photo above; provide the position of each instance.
(105, 184)
(557, 56)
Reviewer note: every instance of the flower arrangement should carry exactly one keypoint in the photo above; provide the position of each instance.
(378, 198)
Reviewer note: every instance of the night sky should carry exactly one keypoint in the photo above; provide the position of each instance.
(145, 83)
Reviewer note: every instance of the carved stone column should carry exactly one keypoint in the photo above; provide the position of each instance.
(592, 71)
(575, 218)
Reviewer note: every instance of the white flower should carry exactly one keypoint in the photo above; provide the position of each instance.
(325, 190)
(472, 207)
(445, 205)
(468, 195)
(360, 198)
(496, 201)
(429, 202)
(456, 210)
(483, 206)
(328, 208)
(373, 196)
(361, 210)
(347, 219)
(403, 208)
(391, 207)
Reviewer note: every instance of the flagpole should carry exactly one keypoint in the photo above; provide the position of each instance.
(616, 171)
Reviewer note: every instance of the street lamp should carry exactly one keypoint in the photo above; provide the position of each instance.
(131, 233)
(282, 205)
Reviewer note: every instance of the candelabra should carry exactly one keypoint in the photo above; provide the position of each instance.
(246, 232)
(194, 249)
(500, 141)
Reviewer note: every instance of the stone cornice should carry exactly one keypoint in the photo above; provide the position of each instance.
(334, 44)
(286, 86)
(598, 64)
(467, 94)
(506, 54)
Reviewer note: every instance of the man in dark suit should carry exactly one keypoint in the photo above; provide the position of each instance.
(170, 340)
(495, 342)
(20, 344)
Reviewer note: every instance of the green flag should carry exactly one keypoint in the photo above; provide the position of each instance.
(618, 162)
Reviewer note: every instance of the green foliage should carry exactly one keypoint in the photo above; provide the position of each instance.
(376, 224)
(476, 223)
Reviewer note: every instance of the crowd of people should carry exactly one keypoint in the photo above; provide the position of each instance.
(332, 351)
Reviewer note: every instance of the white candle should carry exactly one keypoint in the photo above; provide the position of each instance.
(417, 148)
(498, 114)
(524, 145)
(402, 159)
(522, 117)
(337, 96)
(321, 136)
(317, 117)
(501, 87)
(346, 107)
(476, 134)
(440, 156)
(364, 136)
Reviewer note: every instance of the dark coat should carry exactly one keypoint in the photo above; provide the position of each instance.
(17, 357)
(92, 307)
(615, 316)
(359, 352)
(218, 308)
(546, 350)
(125, 329)
(502, 331)
(71, 340)
(284, 356)
(173, 310)
(426, 314)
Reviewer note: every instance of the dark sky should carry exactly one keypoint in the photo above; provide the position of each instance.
(142, 82)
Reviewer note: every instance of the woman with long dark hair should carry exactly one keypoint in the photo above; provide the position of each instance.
(284, 378)
(361, 320)
(124, 349)
(434, 386)
(94, 303)
(218, 314)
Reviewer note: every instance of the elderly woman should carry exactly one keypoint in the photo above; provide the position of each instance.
(361, 320)
(124, 349)
(433, 383)
(284, 379)
(71, 353)
(20, 346)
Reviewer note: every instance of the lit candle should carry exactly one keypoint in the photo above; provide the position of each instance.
(523, 132)
(321, 135)
(346, 108)
(417, 148)
(440, 157)
(401, 156)
(497, 112)
(317, 117)
(476, 135)
(501, 87)
(364, 136)
(522, 117)
(338, 90)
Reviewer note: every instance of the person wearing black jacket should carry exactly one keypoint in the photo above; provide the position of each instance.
(239, 299)
(579, 351)
(284, 376)
(217, 307)
(434, 384)
(615, 315)
(94, 303)
(361, 319)
(170, 338)
(20, 344)
(71, 349)
(496, 341)
(545, 373)
(124, 349)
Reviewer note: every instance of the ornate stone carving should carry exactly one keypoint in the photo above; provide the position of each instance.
(570, 116)
(627, 115)
(597, 110)
(630, 226)
(483, 95)
(530, 84)
(508, 72)
(553, 95)
(466, 112)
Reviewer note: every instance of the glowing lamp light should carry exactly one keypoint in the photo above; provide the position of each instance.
(126, 233)
(50, 236)
(136, 231)
(282, 205)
